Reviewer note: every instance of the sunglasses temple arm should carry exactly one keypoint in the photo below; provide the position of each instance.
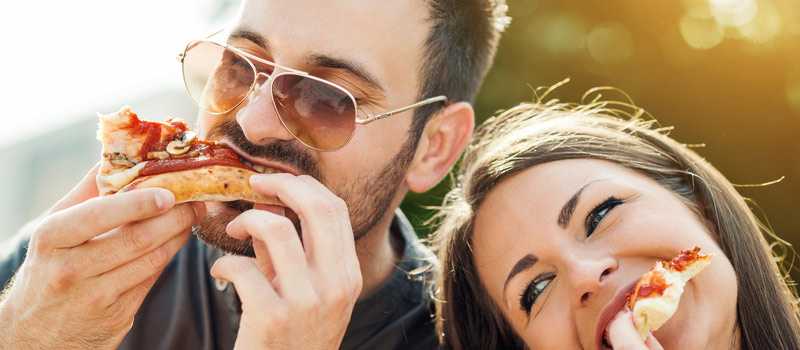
(390, 113)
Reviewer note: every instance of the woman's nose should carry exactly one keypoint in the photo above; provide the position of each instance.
(587, 274)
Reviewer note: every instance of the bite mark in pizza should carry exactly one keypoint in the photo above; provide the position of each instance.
(141, 154)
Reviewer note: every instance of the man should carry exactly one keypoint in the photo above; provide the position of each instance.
(94, 263)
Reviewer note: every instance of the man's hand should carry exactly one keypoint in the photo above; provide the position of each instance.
(89, 265)
(622, 334)
(295, 295)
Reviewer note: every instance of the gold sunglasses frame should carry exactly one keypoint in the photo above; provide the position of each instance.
(249, 58)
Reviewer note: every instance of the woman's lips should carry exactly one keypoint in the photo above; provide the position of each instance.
(614, 306)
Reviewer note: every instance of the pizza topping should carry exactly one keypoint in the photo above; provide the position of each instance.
(182, 144)
(123, 132)
(204, 153)
(119, 159)
(158, 155)
(111, 182)
(655, 286)
(685, 258)
(134, 148)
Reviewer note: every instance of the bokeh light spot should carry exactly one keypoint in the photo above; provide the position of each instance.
(733, 13)
(697, 9)
(610, 43)
(764, 27)
(561, 33)
(701, 34)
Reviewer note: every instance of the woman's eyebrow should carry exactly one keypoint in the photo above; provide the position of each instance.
(569, 207)
(523, 264)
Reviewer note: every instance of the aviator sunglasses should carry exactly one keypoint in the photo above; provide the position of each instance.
(320, 114)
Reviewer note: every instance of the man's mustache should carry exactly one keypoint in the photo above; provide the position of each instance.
(287, 152)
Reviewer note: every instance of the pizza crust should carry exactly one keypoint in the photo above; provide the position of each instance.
(651, 312)
(216, 183)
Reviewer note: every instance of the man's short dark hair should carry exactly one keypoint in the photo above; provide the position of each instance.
(458, 51)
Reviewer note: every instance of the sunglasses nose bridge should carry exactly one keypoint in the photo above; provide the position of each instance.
(261, 79)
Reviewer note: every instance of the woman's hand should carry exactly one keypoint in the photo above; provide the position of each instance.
(622, 334)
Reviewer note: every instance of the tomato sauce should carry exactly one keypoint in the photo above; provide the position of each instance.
(683, 259)
(209, 154)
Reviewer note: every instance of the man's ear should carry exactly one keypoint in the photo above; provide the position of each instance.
(443, 139)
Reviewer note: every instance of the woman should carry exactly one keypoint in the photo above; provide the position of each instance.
(559, 209)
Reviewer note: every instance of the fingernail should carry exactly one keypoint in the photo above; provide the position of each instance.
(163, 199)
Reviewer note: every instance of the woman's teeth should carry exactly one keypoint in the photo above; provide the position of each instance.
(259, 168)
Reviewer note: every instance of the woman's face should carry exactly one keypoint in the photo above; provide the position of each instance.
(558, 246)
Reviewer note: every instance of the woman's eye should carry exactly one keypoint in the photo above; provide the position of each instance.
(599, 212)
(533, 290)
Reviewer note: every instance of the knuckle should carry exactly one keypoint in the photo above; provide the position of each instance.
(64, 279)
(40, 241)
(311, 307)
(144, 206)
(97, 298)
(325, 206)
(43, 236)
(157, 258)
(138, 238)
(339, 296)
(280, 228)
(95, 210)
(277, 318)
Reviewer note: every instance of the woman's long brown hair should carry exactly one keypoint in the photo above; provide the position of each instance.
(536, 133)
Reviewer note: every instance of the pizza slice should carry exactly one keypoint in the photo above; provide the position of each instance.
(141, 154)
(656, 296)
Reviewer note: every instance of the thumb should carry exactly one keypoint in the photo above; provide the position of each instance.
(622, 333)
(85, 190)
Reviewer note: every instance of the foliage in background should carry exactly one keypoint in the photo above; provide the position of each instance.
(725, 73)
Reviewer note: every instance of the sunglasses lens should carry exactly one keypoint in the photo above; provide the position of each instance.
(217, 79)
(317, 113)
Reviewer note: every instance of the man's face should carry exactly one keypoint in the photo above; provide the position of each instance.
(371, 48)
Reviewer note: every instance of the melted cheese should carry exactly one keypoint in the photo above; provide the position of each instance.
(118, 178)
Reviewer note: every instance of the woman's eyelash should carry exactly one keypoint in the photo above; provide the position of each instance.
(599, 212)
(533, 289)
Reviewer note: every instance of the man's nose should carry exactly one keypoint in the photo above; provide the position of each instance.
(257, 116)
(587, 274)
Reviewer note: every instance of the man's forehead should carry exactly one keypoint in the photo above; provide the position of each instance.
(383, 38)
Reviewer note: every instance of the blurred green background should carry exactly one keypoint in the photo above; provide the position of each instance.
(724, 73)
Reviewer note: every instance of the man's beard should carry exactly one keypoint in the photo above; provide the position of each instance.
(368, 197)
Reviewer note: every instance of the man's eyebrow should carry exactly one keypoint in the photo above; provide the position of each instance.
(353, 68)
(242, 33)
(569, 208)
(523, 264)
(322, 61)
